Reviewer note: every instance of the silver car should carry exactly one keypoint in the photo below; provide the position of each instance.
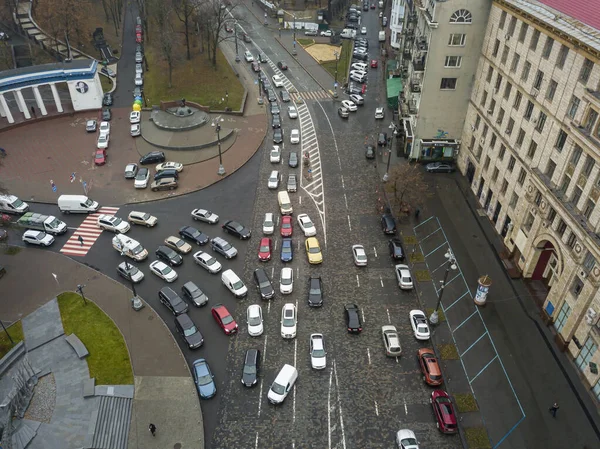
(391, 341)
(138, 57)
(223, 247)
(359, 255)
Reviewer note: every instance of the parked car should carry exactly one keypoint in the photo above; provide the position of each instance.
(178, 244)
(405, 438)
(287, 250)
(168, 255)
(264, 249)
(236, 229)
(177, 166)
(313, 251)
(204, 379)
(164, 184)
(208, 262)
(254, 319)
(353, 320)
(292, 112)
(292, 184)
(315, 291)
(142, 178)
(91, 126)
(100, 157)
(293, 159)
(432, 374)
(382, 139)
(286, 229)
(163, 271)
(286, 281)
(369, 151)
(403, 277)
(418, 322)
(391, 341)
(440, 167)
(107, 99)
(318, 355)
(130, 272)
(396, 249)
(193, 234)
(171, 300)
(234, 284)
(443, 409)
(223, 247)
(263, 284)
(289, 321)
(388, 224)
(306, 225)
(152, 158)
(205, 216)
(343, 112)
(224, 319)
(250, 372)
(130, 171)
(268, 224)
(193, 294)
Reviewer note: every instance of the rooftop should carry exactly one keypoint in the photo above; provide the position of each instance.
(586, 11)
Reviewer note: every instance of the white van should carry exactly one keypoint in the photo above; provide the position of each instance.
(285, 205)
(234, 284)
(10, 204)
(77, 204)
(380, 4)
(282, 384)
(130, 247)
(382, 36)
(348, 33)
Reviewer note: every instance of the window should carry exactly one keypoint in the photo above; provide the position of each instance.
(504, 187)
(453, 61)
(517, 102)
(477, 121)
(520, 138)
(502, 20)
(526, 69)
(562, 56)
(484, 98)
(560, 140)
(486, 164)
(502, 152)
(535, 38)
(511, 26)
(498, 81)
(538, 198)
(550, 169)
(585, 356)
(571, 241)
(565, 184)
(547, 47)
(510, 126)
(586, 70)
(577, 192)
(551, 215)
(528, 110)
(457, 40)
(563, 316)
(507, 90)
(511, 164)
(589, 262)
(590, 120)
(515, 62)
(589, 208)
(529, 222)
(485, 131)
(522, 176)
(576, 155)
(500, 117)
(493, 141)
(573, 106)
(539, 77)
(532, 149)
(541, 121)
(490, 72)
(523, 32)
(588, 166)
(513, 200)
(551, 90)
(472, 145)
(448, 84)
(561, 228)
(504, 58)
(492, 107)
(461, 16)
(479, 151)
(495, 174)
(496, 48)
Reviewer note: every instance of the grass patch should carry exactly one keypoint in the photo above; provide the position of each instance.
(448, 352)
(16, 333)
(12, 250)
(305, 42)
(422, 275)
(441, 316)
(465, 402)
(416, 257)
(109, 360)
(106, 83)
(343, 63)
(410, 239)
(477, 438)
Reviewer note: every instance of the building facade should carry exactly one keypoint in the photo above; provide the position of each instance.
(531, 150)
(396, 23)
(441, 44)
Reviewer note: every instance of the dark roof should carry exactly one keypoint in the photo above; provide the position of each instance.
(75, 64)
(586, 11)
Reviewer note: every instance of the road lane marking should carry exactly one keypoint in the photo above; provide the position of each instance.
(362, 312)
(369, 355)
(349, 224)
(256, 441)
(388, 314)
(268, 311)
(275, 246)
(272, 272)
(375, 251)
(294, 405)
(260, 398)
(405, 408)
(376, 409)
(357, 280)
(346, 200)
(343, 185)
(329, 410)
(381, 280)
(339, 401)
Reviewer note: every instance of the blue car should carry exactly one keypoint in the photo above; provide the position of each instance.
(287, 250)
(203, 377)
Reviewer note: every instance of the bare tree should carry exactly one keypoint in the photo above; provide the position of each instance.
(64, 19)
(112, 9)
(143, 7)
(185, 10)
(406, 188)
(161, 13)
(6, 58)
(214, 18)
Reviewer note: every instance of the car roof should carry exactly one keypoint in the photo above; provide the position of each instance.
(251, 356)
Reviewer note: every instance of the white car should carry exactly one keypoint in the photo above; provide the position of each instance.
(104, 128)
(208, 262)
(273, 181)
(136, 130)
(289, 320)
(37, 238)
(359, 255)
(138, 68)
(349, 105)
(306, 225)
(254, 318)
(286, 281)
(295, 136)
(234, 284)
(248, 56)
(327, 33)
(135, 117)
(379, 113)
(357, 99)
(112, 223)
(103, 140)
(418, 321)
(363, 30)
(205, 215)
(318, 356)
(170, 166)
(391, 341)
(91, 125)
(142, 218)
(277, 81)
(403, 276)
(268, 224)
(292, 112)
(358, 72)
(141, 178)
(138, 79)
(358, 77)
(359, 66)
(406, 439)
(163, 271)
(275, 156)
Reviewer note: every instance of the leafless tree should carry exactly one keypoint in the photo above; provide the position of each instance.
(112, 10)
(185, 10)
(406, 189)
(161, 13)
(143, 7)
(214, 17)
(6, 59)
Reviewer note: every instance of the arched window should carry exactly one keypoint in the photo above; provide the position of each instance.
(461, 16)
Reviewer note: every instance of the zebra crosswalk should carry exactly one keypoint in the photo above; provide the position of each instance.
(314, 95)
(89, 233)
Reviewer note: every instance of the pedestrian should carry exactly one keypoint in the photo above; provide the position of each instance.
(553, 409)
(417, 212)
(80, 238)
(3, 152)
(152, 429)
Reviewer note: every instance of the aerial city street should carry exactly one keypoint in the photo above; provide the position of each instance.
(284, 247)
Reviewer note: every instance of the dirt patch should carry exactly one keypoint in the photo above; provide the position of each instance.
(323, 52)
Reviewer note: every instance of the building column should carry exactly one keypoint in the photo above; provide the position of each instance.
(17, 100)
(39, 100)
(2, 103)
(59, 107)
(23, 105)
(5, 109)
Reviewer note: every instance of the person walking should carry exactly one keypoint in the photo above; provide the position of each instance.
(80, 238)
(152, 429)
(417, 212)
(554, 409)
(3, 152)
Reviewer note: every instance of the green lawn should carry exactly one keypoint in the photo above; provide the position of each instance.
(16, 333)
(109, 360)
(106, 83)
(343, 63)
(305, 42)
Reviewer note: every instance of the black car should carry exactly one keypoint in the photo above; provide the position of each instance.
(275, 109)
(266, 85)
(369, 152)
(139, 48)
(293, 161)
(263, 284)
(365, 6)
(168, 255)
(262, 57)
(107, 100)
(106, 115)
(234, 228)
(278, 136)
(168, 173)
(382, 139)
(271, 95)
(276, 121)
(285, 96)
(172, 300)
(353, 321)
(192, 293)
(191, 233)
(360, 56)
(396, 249)
(315, 291)
(153, 157)
(251, 368)
(188, 331)
(282, 65)
(388, 224)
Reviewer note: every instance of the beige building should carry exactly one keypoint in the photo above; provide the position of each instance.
(531, 149)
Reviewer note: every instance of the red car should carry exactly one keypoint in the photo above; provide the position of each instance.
(138, 38)
(224, 319)
(443, 410)
(432, 375)
(264, 249)
(372, 5)
(100, 158)
(373, 63)
(228, 28)
(286, 226)
(138, 28)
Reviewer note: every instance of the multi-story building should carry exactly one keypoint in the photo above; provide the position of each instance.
(396, 23)
(441, 44)
(531, 150)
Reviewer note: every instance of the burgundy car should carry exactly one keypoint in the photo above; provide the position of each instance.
(224, 319)
(443, 410)
(264, 249)
(286, 226)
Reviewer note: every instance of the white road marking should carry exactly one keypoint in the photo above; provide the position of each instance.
(300, 199)
(272, 272)
(369, 355)
(349, 224)
(362, 312)
(295, 346)
(343, 185)
(405, 408)
(388, 314)
(277, 220)
(256, 442)
(329, 410)
(275, 246)
(294, 405)
(268, 311)
(339, 403)
(260, 399)
(381, 280)
(375, 251)
(346, 200)
(264, 354)
(376, 409)
(357, 280)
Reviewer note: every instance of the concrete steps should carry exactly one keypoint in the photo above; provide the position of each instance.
(112, 424)
(25, 431)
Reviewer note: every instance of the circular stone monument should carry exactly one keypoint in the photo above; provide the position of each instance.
(180, 118)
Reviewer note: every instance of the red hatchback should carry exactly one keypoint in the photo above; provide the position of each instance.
(264, 249)
(443, 410)
(373, 63)
(286, 226)
(101, 156)
(224, 319)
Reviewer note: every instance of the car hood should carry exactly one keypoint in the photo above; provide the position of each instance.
(249, 379)
(208, 390)
(255, 330)
(180, 307)
(137, 276)
(315, 300)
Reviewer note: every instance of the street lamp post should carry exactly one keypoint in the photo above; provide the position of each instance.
(294, 51)
(451, 264)
(128, 267)
(221, 170)
(335, 84)
(80, 290)
(394, 133)
(259, 80)
(12, 343)
(226, 99)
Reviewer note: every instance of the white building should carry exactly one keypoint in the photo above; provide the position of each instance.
(531, 149)
(396, 23)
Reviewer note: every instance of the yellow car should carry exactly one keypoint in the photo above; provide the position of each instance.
(178, 244)
(313, 251)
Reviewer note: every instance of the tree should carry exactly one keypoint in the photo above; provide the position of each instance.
(406, 189)
(185, 9)
(65, 19)
(214, 18)
(161, 12)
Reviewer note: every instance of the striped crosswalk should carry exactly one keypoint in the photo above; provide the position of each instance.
(314, 95)
(89, 233)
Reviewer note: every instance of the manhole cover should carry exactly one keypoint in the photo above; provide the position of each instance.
(177, 446)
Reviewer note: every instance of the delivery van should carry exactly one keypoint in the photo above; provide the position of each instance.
(285, 205)
(382, 36)
(77, 204)
(10, 204)
(348, 33)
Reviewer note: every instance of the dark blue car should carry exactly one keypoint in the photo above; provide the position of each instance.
(287, 250)
(204, 379)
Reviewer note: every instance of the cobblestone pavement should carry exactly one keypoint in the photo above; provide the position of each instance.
(43, 400)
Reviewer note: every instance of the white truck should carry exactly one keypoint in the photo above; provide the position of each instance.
(10, 204)
(348, 33)
(46, 223)
(77, 204)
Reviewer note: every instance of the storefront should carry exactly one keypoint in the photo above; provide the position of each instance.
(438, 149)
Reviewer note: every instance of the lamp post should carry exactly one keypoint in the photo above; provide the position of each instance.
(80, 291)
(221, 170)
(259, 81)
(128, 267)
(12, 343)
(294, 50)
(387, 170)
(335, 84)
(450, 265)
(226, 99)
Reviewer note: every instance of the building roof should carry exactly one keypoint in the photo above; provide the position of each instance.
(586, 11)
(53, 66)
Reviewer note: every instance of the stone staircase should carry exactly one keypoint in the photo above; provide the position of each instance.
(25, 431)
(112, 424)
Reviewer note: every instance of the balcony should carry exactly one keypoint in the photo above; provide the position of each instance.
(415, 85)
(421, 43)
(419, 64)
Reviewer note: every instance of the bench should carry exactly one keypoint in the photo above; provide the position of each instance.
(77, 345)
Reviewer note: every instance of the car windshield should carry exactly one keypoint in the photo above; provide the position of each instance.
(286, 225)
(277, 389)
(422, 328)
(406, 280)
(288, 322)
(88, 203)
(249, 369)
(132, 271)
(435, 377)
(137, 249)
(265, 284)
(195, 233)
(194, 291)
(254, 320)
(209, 261)
(205, 379)
(315, 290)
(227, 319)
(264, 248)
(146, 217)
(179, 243)
(408, 442)
(286, 281)
(190, 331)
(286, 249)
(166, 270)
(54, 223)
(314, 250)
(307, 224)
(117, 221)
(99, 155)
(268, 223)
(360, 255)
(237, 285)
(318, 353)
(226, 247)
